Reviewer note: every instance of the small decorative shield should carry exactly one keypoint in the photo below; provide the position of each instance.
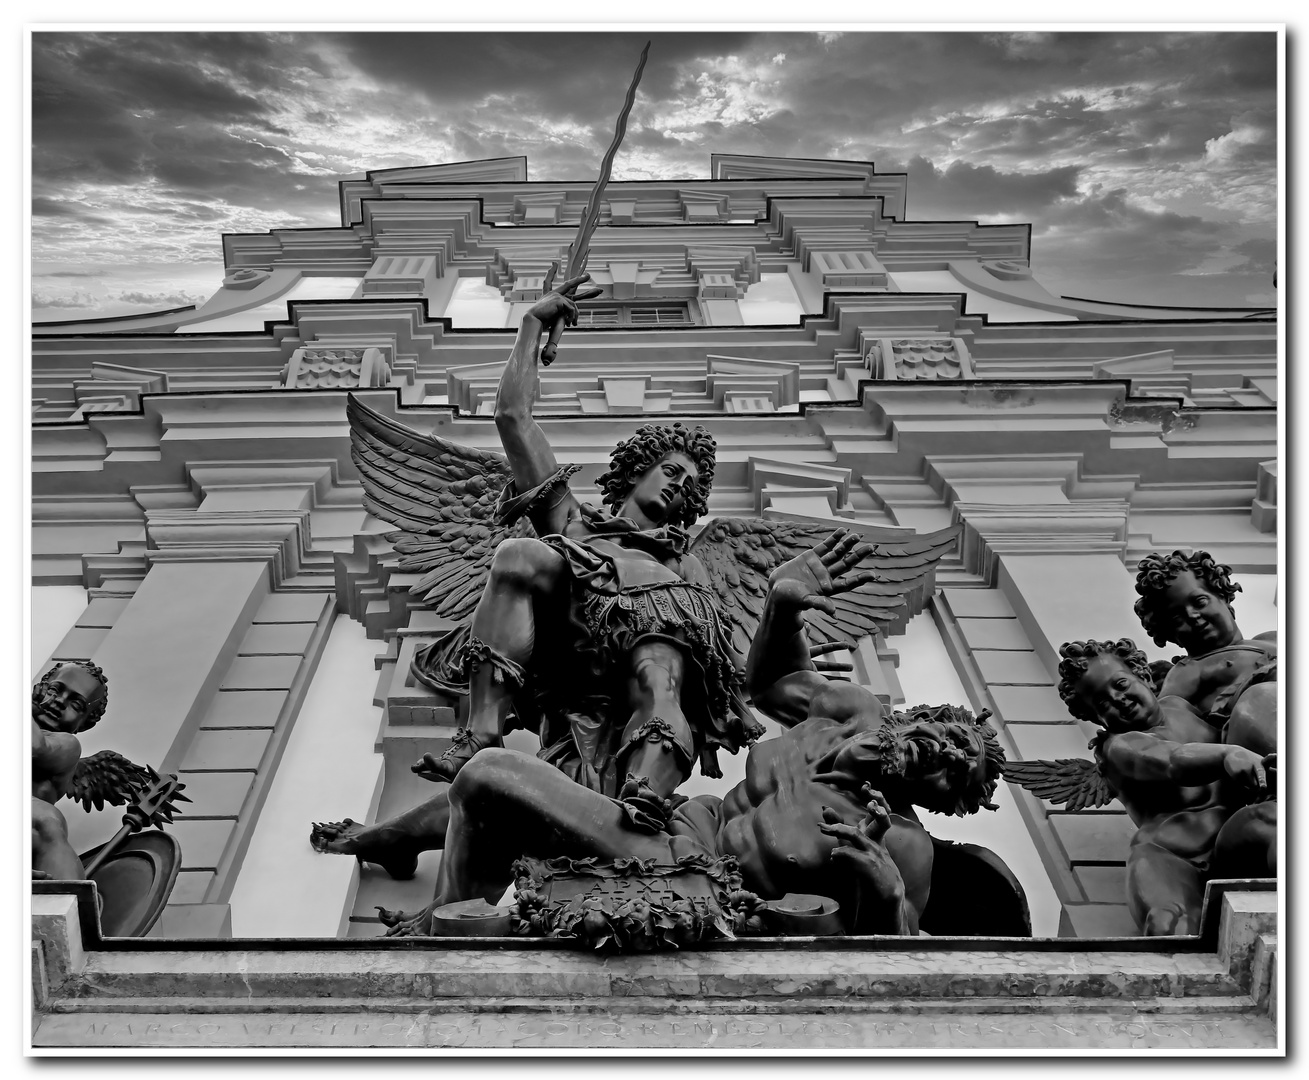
(135, 882)
(631, 905)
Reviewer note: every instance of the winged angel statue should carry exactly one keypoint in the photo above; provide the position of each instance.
(69, 699)
(607, 630)
(1204, 807)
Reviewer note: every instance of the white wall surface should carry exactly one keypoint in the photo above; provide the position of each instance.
(307, 288)
(55, 608)
(328, 771)
(997, 310)
(1256, 604)
(476, 304)
(771, 301)
(928, 677)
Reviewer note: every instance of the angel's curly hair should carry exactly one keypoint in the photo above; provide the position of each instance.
(94, 709)
(1076, 657)
(977, 793)
(633, 458)
(1155, 573)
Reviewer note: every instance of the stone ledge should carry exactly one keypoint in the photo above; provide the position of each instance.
(871, 973)
(870, 993)
(799, 1030)
(262, 1006)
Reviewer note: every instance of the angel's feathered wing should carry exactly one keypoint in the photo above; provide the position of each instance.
(108, 777)
(1077, 783)
(740, 553)
(441, 496)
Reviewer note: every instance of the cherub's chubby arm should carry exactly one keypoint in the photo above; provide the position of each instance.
(530, 457)
(780, 674)
(54, 757)
(1141, 756)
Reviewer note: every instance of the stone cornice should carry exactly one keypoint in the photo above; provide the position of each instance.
(1090, 526)
(280, 538)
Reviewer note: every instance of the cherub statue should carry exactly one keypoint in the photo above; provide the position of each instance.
(71, 698)
(1202, 808)
(826, 808)
(1231, 680)
(607, 631)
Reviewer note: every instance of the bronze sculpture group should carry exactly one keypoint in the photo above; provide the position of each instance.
(636, 652)
(623, 644)
(67, 700)
(1188, 748)
(633, 650)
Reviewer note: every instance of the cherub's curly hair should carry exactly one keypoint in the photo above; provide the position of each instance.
(1076, 658)
(977, 794)
(1156, 572)
(633, 457)
(95, 709)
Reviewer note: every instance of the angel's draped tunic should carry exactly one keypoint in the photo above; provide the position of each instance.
(628, 586)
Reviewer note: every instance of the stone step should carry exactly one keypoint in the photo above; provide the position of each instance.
(749, 972)
(641, 1005)
(802, 1028)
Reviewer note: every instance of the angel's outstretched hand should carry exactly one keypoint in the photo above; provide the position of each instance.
(814, 576)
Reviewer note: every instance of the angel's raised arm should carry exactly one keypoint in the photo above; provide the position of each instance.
(780, 672)
(530, 457)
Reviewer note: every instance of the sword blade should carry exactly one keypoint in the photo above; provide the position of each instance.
(581, 243)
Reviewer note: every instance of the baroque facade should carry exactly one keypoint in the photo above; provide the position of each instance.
(192, 472)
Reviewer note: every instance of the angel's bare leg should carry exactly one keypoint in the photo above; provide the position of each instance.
(657, 742)
(506, 805)
(51, 852)
(526, 581)
(394, 844)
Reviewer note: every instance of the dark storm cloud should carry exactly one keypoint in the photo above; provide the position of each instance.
(1139, 149)
(573, 73)
(963, 189)
(57, 208)
(190, 76)
(126, 108)
(1116, 210)
(1260, 256)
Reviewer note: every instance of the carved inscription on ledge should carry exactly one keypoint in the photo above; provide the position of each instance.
(1233, 1031)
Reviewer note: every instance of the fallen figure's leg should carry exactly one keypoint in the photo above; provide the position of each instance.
(505, 805)
(394, 845)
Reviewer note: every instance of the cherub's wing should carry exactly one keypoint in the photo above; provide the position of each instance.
(740, 553)
(441, 496)
(1078, 783)
(108, 777)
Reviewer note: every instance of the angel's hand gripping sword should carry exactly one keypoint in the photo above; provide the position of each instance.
(581, 243)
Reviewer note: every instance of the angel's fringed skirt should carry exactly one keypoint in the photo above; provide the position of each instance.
(581, 732)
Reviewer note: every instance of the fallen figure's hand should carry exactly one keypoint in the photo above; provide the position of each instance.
(879, 886)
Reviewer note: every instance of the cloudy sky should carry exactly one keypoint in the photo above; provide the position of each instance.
(1146, 162)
